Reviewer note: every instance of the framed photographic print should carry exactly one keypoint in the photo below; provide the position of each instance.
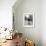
(28, 20)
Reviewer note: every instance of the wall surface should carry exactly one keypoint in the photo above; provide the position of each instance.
(38, 33)
(28, 6)
(6, 13)
(43, 22)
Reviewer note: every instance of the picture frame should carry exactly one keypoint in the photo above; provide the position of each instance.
(28, 19)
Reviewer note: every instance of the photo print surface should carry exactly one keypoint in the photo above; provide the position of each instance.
(28, 20)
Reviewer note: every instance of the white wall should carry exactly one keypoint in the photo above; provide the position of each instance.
(43, 22)
(28, 6)
(6, 13)
(39, 31)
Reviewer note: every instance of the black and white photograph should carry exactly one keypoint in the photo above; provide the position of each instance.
(28, 20)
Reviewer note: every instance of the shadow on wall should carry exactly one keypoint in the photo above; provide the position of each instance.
(28, 6)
